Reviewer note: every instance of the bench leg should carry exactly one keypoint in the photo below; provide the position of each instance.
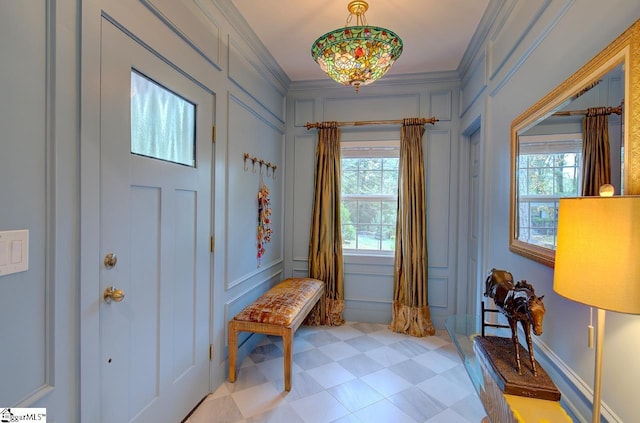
(287, 341)
(233, 351)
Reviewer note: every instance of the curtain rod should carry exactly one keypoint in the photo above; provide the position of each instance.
(610, 110)
(430, 120)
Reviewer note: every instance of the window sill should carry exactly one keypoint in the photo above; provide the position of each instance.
(368, 258)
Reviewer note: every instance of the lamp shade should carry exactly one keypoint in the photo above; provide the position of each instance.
(357, 55)
(598, 252)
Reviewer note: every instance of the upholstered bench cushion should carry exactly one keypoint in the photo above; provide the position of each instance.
(282, 303)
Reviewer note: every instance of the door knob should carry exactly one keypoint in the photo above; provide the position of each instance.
(113, 294)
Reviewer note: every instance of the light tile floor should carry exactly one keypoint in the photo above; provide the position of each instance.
(359, 372)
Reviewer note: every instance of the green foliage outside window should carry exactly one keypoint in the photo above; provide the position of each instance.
(369, 200)
(542, 180)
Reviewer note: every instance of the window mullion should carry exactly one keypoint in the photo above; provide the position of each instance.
(365, 228)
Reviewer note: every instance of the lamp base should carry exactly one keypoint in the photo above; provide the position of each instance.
(497, 352)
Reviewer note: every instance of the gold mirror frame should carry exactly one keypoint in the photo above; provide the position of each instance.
(623, 50)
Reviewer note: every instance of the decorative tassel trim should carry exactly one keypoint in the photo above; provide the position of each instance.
(333, 314)
(414, 321)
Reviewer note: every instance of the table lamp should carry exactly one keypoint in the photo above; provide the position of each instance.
(597, 262)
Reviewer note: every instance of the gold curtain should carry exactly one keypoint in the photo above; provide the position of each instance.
(325, 239)
(410, 312)
(596, 163)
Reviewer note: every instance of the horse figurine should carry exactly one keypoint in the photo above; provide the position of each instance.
(518, 303)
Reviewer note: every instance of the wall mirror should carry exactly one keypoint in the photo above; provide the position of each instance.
(546, 143)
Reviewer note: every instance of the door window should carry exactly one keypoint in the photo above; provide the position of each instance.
(162, 123)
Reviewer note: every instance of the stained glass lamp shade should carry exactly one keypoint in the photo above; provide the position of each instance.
(357, 55)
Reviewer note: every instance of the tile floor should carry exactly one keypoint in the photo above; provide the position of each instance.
(359, 372)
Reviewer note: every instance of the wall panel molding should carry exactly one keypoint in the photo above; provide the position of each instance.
(379, 107)
(303, 111)
(192, 22)
(437, 169)
(28, 189)
(369, 300)
(472, 87)
(249, 131)
(479, 39)
(389, 81)
(233, 98)
(387, 271)
(300, 273)
(438, 292)
(357, 310)
(369, 279)
(512, 33)
(501, 69)
(250, 291)
(247, 76)
(304, 147)
(441, 105)
(49, 381)
(249, 276)
(248, 36)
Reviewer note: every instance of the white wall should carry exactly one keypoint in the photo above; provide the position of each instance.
(530, 49)
(48, 180)
(249, 112)
(39, 191)
(369, 280)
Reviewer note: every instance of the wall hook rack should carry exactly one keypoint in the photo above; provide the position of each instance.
(270, 167)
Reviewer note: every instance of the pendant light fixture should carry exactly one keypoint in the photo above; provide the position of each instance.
(357, 55)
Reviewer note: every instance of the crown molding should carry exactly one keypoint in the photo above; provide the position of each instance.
(246, 33)
(480, 35)
(387, 80)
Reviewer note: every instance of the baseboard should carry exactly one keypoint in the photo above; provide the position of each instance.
(576, 393)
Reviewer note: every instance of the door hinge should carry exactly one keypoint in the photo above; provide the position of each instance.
(210, 352)
(212, 243)
(213, 134)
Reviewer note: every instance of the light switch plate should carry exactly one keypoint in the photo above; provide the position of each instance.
(14, 256)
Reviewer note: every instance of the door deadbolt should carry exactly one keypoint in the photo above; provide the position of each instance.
(110, 260)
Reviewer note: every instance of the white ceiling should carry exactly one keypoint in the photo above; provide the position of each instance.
(435, 32)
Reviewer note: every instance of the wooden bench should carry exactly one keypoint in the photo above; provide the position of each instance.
(279, 311)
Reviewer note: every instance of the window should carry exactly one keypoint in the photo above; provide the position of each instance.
(369, 196)
(548, 169)
(162, 123)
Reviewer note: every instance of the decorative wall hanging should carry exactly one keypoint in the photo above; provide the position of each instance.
(264, 230)
(264, 220)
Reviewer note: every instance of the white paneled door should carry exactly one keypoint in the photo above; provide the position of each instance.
(155, 214)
